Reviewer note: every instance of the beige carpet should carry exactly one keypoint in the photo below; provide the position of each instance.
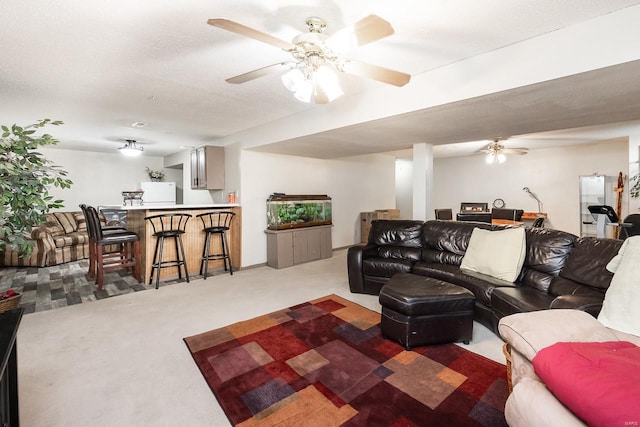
(122, 362)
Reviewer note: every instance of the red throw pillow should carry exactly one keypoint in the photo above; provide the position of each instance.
(598, 381)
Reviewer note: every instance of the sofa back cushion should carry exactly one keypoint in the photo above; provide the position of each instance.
(445, 242)
(80, 220)
(547, 254)
(53, 226)
(67, 221)
(586, 266)
(404, 233)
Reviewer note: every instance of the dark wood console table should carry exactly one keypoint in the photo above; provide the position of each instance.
(9, 322)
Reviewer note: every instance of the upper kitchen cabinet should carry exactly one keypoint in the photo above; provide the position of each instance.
(207, 168)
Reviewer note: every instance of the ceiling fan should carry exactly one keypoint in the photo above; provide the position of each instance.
(496, 151)
(310, 75)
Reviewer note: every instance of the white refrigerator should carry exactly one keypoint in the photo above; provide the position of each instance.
(158, 193)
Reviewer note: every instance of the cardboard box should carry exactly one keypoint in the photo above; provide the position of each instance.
(388, 214)
(367, 217)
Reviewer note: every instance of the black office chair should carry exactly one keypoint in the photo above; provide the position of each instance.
(631, 230)
(511, 214)
(444, 214)
(476, 217)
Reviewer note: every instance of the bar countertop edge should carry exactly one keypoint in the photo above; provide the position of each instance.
(172, 207)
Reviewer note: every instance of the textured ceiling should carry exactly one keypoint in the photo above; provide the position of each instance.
(572, 105)
(101, 66)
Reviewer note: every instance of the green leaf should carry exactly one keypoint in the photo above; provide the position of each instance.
(25, 175)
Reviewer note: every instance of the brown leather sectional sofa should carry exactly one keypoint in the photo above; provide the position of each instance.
(560, 270)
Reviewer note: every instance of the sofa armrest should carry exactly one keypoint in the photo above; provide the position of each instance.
(586, 303)
(528, 333)
(355, 255)
(532, 404)
(43, 238)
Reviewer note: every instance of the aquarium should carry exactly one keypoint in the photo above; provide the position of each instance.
(293, 211)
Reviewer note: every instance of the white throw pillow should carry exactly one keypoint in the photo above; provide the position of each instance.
(622, 299)
(499, 253)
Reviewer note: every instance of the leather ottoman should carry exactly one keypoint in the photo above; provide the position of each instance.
(420, 310)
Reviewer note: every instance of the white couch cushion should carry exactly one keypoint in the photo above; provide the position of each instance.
(621, 301)
(499, 253)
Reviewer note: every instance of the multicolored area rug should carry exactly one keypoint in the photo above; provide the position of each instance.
(324, 363)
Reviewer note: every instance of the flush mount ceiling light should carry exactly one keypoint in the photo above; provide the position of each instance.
(130, 149)
(312, 76)
(496, 152)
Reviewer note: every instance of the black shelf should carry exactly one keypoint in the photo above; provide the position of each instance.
(9, 410)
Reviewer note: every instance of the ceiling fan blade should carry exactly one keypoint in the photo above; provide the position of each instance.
(375, 72)
(243, 30)
(367, 30)
(260, 72)
(518, 151)
(371, 28)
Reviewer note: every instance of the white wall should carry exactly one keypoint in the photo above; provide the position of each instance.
(98, 178)
(550, 173)
(355, 185)
(404, 188)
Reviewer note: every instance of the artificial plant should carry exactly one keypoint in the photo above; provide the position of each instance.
(25, 178)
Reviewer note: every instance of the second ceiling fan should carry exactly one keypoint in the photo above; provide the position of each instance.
(316, 57)
(496, 151)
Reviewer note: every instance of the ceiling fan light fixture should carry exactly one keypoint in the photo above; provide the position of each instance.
(293, 79)
(130, 149)
(495, 153)
(304, 91)
(312, 50)
(495, 157)
(328, 81)
(490, 159)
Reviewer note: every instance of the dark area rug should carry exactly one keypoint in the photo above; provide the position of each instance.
(324, 363)
(46, 288)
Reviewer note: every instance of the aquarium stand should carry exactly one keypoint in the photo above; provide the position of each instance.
(296, 246)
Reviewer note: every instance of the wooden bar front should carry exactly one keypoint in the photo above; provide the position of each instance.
(193, 240)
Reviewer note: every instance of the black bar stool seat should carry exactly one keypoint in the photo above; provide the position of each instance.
(168, 226)
(216, 223)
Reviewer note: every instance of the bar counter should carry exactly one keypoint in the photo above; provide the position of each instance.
(193, 239)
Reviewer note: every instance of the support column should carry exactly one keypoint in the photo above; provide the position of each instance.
(422, 182)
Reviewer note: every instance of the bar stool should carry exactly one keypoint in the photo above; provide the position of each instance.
(127, 242)
(168, 226)
(216, 223)
(92, 247)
